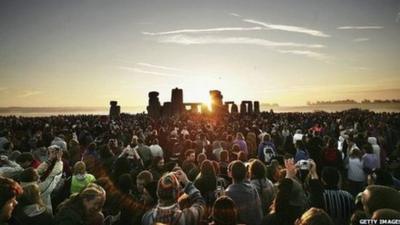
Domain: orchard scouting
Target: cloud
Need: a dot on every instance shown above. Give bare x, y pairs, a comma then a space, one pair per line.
137, 70
28, 94
235, 14
360, 27
208, 30
189, 40
288, 28
161, 67
310, 54
360, 39
3, 88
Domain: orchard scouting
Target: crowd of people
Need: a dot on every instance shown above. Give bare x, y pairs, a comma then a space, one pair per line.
260, 169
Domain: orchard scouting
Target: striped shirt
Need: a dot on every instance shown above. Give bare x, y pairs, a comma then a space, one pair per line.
339, 205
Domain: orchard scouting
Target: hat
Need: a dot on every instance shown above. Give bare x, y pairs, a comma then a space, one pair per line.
168, 187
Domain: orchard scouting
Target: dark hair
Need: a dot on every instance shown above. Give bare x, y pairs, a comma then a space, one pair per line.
368, 148
224, 211
238, 170
381, 197
8, 190
207, 169
331, 177
24, 157
257, 169
28, 175
125, 183
224, 157
188, 152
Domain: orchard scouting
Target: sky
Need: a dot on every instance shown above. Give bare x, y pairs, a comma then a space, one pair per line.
88, 52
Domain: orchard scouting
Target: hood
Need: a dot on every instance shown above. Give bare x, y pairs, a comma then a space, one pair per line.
372, 140
34, 210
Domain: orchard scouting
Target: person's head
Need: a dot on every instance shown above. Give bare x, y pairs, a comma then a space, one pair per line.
331, 143
224, 156
242, 156
224, 211
330, 177
239, 136
79, 168
125, 183
31, 195
289, 195
355, 153
25, 159
190, 155
266, 137
9, 190
237, 170
380, 177
299, 145
142, 179
29, 175
386, 214
135, 140
235, 148
376, 197
93, 198
168, 188
368, 149
314, 216
155, 141
257, 170
200, 158
207, 169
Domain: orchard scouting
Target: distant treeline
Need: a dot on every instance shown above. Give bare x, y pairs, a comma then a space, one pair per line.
350, 101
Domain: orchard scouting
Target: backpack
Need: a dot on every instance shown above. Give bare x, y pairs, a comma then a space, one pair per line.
268, 153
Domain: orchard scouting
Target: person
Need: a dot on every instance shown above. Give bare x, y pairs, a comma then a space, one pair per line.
244, 194
389, 214
82, 208
241, 143
376, 197
331, 156
264, 187
81, 178
314, 216
339, 204
47, 175
167, 211
376, 149
31, 209
301, 151
9, 191
266, 149
157, 167
290, 200
224, 212
9, 168
355, 172
144, 152
370, 160
206, 182
142, 179
155, 149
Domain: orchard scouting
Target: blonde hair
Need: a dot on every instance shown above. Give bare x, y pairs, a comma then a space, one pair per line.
31, 195
79, 167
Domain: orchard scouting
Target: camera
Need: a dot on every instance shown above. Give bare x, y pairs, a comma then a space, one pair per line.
303, 164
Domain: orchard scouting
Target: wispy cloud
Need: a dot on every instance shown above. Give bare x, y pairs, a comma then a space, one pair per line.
310, 54
149, 65
3, 88
288, 28
138, 70
360, 39
28, 94
360, 27
208, 30
189, 40
235, 14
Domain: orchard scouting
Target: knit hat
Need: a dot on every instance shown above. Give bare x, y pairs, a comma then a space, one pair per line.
168, 187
